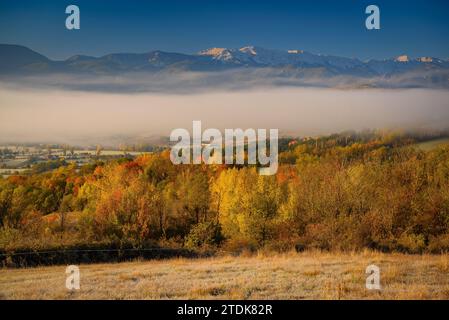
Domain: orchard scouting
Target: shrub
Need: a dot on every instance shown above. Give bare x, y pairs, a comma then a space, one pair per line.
411, 243
204, 234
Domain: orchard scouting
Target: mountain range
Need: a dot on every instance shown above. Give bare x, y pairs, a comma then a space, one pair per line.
251, 61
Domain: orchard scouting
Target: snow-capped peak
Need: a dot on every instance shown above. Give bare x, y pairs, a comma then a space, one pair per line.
402, 58
425, 59
249, 50
212, 51
223, 54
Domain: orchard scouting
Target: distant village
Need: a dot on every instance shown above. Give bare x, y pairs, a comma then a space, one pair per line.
17, 159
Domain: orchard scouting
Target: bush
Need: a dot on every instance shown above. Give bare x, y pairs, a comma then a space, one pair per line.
411, 243
439, 244
204, 234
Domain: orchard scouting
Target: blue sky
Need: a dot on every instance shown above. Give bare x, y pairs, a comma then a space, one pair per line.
417, 28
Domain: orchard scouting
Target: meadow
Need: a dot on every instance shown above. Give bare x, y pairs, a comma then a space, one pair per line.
306, 275
432, 144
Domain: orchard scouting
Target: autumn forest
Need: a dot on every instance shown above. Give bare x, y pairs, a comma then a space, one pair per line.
347, 191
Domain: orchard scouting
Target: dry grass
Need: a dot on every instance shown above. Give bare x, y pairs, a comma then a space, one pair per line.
308, 275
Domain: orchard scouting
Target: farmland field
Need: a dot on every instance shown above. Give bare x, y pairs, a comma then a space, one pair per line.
307, 275
431, 144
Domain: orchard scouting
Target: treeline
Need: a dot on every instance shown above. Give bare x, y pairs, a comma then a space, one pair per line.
333, 193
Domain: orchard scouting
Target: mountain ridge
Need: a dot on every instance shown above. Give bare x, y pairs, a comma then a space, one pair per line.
280, 64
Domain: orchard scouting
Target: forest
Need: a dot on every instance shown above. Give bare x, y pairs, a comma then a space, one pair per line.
343, 192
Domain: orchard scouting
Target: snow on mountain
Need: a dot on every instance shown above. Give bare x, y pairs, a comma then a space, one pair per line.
269, 63
249, 50
403, 58
252, 55
221, 54
425, 59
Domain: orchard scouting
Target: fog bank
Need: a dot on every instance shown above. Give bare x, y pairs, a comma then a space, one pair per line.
32, 115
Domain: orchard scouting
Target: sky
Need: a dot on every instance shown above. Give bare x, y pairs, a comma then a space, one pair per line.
416, 28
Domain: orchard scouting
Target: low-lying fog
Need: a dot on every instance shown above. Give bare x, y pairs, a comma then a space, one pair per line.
45, 115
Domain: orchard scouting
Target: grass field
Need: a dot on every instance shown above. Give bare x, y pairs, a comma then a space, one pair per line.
432, 144
308, 275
